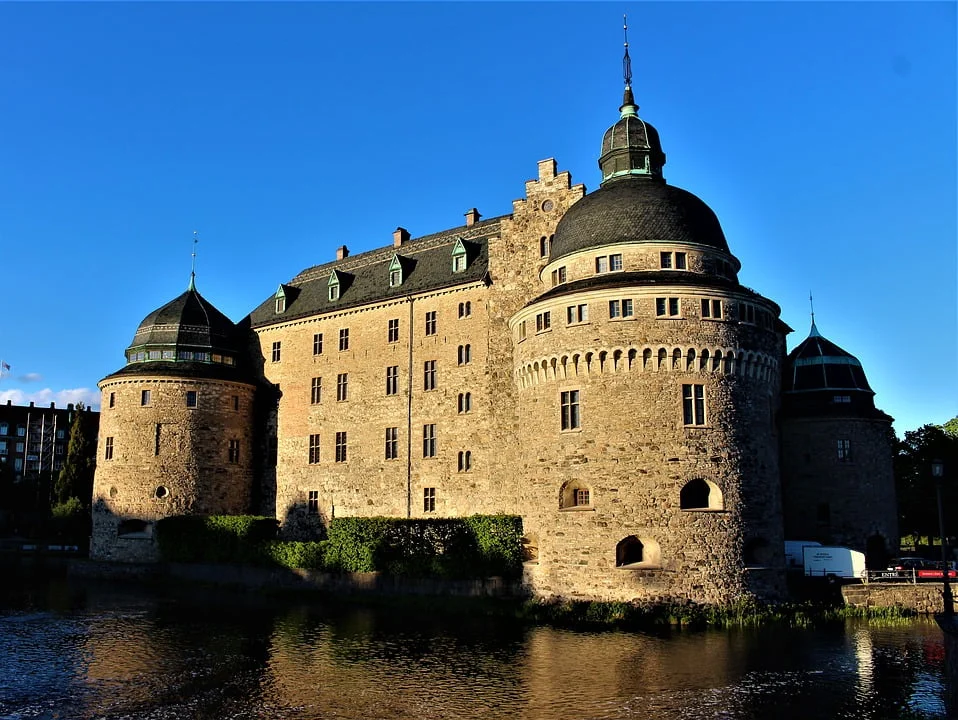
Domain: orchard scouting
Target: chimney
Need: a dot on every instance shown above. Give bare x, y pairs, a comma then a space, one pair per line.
400, 236
31, 403
53, 406
342, 252
472, 217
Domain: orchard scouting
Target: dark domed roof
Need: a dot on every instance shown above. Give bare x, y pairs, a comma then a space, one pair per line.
637, 209
190, 319
819, 364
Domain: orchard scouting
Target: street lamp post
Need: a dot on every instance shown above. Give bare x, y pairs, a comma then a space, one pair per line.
938, 472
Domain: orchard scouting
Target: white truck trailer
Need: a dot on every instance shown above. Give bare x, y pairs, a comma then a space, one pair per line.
833, 562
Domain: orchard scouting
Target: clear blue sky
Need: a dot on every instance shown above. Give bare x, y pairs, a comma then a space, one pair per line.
822, 134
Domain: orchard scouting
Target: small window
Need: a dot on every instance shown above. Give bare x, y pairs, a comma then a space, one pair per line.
543, 247
343, 339
673, 307
844, 450
233, 453
465, 403
712, 309
314, 449
317, 344
316, 391
145, 399
333, 286
280, 304
465, 354
543, 321
569, 413
429, 375
699, 494
693, 404
342, 387
465, 461
841, 399
667, 307
429, 440
615, 309
108, 449
3, 429
392, 443
191, 398
615, 262
341, 447
429, 499
665, 260
558, 276
392, 380
392, 331
431, 322
680, 262
458, 257
522, 331
627, 310
577, 314
465, 309
602, 264
236, 403
277, 351
395, 278
312, 502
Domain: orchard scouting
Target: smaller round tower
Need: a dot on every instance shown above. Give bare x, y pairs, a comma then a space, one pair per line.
175, 429
837, 478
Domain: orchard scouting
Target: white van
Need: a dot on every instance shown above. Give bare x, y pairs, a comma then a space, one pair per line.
835, 562
794, 557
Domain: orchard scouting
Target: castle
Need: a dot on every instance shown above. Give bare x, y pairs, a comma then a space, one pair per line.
589, 362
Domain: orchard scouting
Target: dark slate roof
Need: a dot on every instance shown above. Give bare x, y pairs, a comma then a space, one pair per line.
819, 364
630, 131
364, 278
189, 320
211, 371
631, 209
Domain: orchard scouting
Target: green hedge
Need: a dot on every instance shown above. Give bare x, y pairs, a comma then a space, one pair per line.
477, 546
214, 538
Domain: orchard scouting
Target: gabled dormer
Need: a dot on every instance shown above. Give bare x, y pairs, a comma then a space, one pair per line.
460, 258
280, 299
396, 273
335, 286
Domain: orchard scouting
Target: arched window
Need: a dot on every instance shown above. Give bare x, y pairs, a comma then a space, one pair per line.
647, 359
465, 403
465, 460
704, 361
465, 354
663, 358
134, 529
575, 494
690, 360
699, 494
638, 552
676, 359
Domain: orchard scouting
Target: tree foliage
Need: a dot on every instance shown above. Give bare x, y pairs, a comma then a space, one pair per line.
76, 478
916, 488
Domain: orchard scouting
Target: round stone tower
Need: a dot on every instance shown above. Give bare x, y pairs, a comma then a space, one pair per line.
175, 428
648, 379
838, 482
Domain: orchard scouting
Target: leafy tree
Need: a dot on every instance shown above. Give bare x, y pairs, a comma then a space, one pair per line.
951, 427
916, 488
76, 477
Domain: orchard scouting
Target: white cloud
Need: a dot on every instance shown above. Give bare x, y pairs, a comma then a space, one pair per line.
43, 398
30, 377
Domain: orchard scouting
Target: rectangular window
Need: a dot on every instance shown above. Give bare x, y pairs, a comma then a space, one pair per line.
458, 262
317, 344
22, 430
615, 309
840, 399
429, 375
342, 387
429, 500
395, 278
316, 391
157, 433
569, 402
581, 497
602, 264
5, 428
680, 263
627, 310
108, 449
392, 334
693, 404
392, 443
277, 351
431, 322
543, 321
314, 449
191, 398
392, 380
673, 307
558, 276
334, 292
577, 314
665, 260
615, 261
233, 452
845, 450
712, 309
312, 502
144, 399
522, 331
236, 403
341, 447
344, 339
112, 404
429, 441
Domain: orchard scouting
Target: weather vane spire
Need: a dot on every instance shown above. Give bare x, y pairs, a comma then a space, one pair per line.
811, 305
626, 60
193, 265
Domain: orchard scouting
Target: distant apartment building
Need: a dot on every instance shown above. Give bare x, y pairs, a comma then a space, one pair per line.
33, 439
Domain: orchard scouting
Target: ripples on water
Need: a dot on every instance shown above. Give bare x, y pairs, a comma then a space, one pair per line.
93, 653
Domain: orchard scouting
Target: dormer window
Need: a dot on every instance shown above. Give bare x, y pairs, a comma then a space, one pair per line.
458, 257
333, 286
280, 298
395, 272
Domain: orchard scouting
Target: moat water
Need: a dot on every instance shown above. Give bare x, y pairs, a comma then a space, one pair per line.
72, 650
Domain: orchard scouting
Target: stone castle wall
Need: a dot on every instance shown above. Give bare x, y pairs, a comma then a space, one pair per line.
163, 458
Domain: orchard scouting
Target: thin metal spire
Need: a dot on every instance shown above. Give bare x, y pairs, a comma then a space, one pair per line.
193, 266
626, 60
811, 304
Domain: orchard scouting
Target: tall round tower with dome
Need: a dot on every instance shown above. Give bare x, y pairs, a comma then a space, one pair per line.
651, 377
837, 478
175, 430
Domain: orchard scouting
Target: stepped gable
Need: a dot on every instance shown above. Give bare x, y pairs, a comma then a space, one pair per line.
427, 266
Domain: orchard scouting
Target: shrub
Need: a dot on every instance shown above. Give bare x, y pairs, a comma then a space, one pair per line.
214, 538
70, 520
292, 554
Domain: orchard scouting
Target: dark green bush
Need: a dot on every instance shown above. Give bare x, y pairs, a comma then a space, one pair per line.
305, 555
214, 538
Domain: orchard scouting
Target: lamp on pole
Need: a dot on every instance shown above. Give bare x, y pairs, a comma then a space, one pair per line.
938, 472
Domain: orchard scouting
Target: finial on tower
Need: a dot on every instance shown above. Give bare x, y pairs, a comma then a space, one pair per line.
811, 304
193, 267
628, 100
